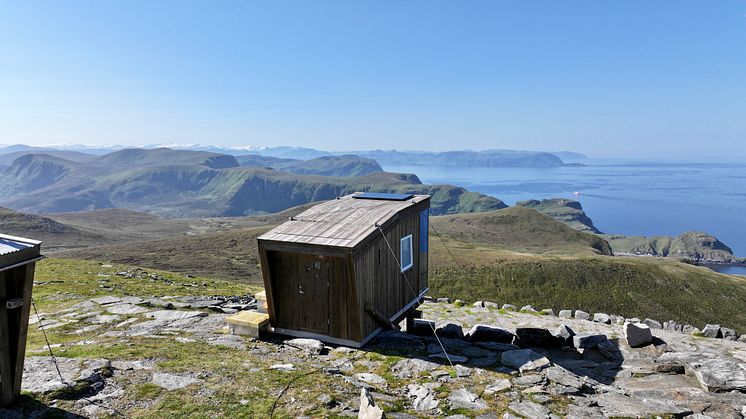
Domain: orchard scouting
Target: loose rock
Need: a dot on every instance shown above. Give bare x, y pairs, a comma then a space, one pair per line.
421, 327
582, 315
588, 341
462, 399
524, 360
368, 408
450, 330
498, 386
529, 309
602, 318
637, 334
529, 409
654, 324
535, 337
712, 331
311, 346
564, 335
484, 333
424, 398
412, 367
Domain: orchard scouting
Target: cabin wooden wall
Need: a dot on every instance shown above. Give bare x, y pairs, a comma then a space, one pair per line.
328, 305
14, 283
378, 276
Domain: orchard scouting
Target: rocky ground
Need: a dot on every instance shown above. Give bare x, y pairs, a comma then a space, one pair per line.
140, 344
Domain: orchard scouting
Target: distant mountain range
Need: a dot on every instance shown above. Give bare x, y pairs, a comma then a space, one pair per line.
466, 158
183, 183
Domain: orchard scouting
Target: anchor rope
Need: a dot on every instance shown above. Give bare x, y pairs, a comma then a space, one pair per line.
57, 367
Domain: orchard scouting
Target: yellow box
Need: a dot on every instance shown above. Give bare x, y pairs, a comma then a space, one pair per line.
248, 318
248, 323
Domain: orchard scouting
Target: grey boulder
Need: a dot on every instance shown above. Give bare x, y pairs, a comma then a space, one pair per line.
484, 333
450, 330
654, 324
637, 334
712, 331
524, 360
602, 318
582, 315
535, 337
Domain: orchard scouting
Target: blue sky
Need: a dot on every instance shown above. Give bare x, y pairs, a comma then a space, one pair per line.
645, 79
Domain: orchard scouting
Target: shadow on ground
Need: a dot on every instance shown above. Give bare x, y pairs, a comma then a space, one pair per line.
27, 406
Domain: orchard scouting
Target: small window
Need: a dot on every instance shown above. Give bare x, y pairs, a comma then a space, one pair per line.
405, 253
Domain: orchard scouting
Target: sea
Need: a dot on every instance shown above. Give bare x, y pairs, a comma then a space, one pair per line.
630, 197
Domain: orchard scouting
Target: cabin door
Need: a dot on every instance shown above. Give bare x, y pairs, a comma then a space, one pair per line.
313, 294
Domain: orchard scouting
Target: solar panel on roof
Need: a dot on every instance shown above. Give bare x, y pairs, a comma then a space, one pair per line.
383, 196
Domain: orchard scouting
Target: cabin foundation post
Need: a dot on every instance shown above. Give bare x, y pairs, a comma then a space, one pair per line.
411, 315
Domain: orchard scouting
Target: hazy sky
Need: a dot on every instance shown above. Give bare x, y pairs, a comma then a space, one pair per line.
608, 78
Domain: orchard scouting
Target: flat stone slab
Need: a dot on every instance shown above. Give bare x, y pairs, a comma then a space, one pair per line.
719, 375
412, 367
312, 346
40, 375
125, 308
172, 381
619, 405
440, 356
524, 360
498, 386
228, 341
529, 409
588, 341
106, 300
485, 333
173, 315
462, 399
371, 378
424, 397
104, 318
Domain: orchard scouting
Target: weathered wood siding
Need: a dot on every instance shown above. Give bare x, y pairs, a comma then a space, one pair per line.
337, 281
14, 283
378, 275
312, 293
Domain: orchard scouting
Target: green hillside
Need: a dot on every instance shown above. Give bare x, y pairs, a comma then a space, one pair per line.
339, 166
565, 210
658, 288
692, 245
522, 230
175, 183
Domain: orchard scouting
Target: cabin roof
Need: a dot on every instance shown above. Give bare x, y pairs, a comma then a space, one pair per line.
14, 250
342, 222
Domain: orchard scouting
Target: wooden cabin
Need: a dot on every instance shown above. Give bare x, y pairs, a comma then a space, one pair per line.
345, 268
18, 258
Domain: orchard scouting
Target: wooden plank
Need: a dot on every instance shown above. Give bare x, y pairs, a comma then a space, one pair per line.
26, 283
267, 279
7, 393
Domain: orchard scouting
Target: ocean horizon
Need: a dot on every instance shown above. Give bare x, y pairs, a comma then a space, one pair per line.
629, 197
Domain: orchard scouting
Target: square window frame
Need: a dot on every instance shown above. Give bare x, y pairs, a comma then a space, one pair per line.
410, 241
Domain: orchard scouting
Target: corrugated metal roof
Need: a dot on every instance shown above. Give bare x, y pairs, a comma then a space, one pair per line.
342, 222
9, 246
15, 250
